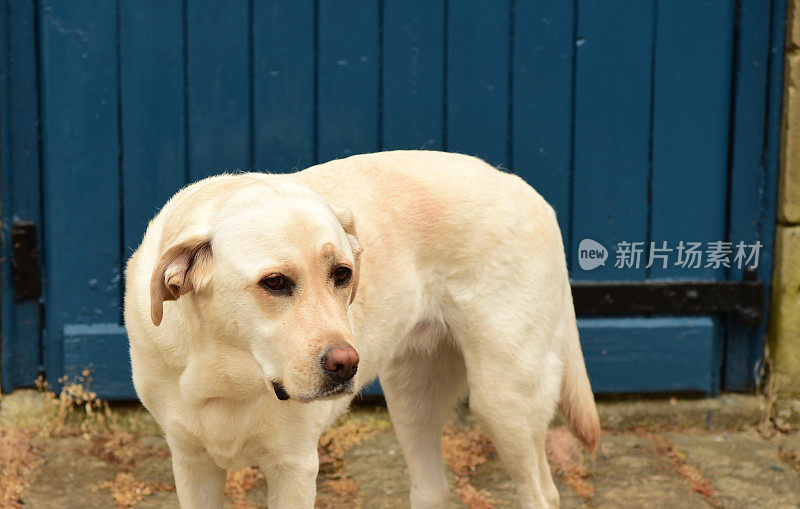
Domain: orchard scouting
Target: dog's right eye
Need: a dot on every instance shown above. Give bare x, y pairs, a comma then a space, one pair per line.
276, 283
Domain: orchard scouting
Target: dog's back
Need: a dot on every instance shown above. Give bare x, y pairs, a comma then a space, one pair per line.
459, 220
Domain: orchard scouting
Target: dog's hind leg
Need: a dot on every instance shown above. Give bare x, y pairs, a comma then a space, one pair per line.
514, 382
421, 389
549, 487
519, 434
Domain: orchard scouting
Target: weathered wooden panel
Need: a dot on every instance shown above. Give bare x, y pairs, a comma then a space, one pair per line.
612, 129
413, 74
478, 65
81, 183
101, 349
20, 173
218, 81
283, 84
691, 103
542, 98
649, 354
348, 79
153, 118
754, 167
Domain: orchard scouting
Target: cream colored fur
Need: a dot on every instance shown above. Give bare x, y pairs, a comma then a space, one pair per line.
462, 288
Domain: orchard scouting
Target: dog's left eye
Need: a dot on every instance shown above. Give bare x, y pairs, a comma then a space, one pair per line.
276, 283
341, 275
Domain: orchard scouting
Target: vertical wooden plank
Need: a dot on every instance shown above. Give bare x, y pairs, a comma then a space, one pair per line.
754, 168
612, 126
80, 167
693, 57
413, 74
152, 93
542, 117
218, 75
21, 324
283, 74
6, 301
7, 320
478, 79
348, 79
718, 353
768, 190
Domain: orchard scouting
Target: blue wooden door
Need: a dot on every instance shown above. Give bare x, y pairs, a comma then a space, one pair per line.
640, 121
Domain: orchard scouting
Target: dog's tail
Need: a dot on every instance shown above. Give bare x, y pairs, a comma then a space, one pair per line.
577, 401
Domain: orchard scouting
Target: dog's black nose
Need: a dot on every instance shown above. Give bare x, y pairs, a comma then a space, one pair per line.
340, 362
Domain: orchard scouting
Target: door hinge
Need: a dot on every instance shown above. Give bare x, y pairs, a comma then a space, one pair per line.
25, 261
743, 299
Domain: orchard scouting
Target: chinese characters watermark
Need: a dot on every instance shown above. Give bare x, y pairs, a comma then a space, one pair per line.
684, 254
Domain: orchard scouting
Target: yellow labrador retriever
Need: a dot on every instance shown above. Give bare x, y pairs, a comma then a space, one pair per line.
257, 305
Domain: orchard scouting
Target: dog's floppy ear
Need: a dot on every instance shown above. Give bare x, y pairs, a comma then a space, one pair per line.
184, 266
345, 217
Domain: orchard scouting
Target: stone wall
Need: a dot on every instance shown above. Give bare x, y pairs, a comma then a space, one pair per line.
784, 340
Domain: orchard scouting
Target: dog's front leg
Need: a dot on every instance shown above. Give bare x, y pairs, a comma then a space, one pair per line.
292, 478
199, 481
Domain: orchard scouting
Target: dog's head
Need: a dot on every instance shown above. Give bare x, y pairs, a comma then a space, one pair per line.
270, 269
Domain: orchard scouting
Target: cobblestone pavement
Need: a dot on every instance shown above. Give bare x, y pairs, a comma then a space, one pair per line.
638, 466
